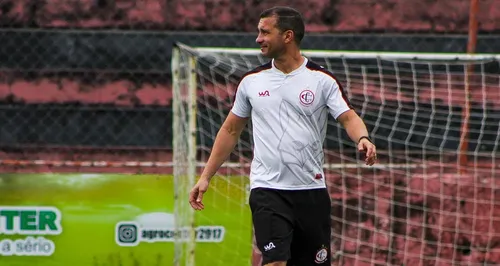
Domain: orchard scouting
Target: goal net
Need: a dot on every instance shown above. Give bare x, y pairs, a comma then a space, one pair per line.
431, 199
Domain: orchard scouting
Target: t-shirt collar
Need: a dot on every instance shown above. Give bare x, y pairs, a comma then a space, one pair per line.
294, 72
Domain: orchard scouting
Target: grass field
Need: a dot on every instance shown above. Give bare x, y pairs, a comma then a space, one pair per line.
92, 204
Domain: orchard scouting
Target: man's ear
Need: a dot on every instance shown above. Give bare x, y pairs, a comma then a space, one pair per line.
289, 36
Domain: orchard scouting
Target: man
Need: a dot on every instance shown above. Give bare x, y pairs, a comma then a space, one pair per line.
288, 100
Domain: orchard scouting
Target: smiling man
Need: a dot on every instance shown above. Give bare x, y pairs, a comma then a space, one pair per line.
288, 100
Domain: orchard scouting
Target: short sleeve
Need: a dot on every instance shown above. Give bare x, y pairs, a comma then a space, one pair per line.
241, 106
336, 99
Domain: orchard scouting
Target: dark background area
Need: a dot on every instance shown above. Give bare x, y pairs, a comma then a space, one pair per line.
96, 73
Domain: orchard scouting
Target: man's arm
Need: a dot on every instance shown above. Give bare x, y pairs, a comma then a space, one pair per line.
226, 139
356, 129
342, 111
353, 124
224, 144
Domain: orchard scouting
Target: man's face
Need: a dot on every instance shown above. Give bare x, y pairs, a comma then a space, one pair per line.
270, 39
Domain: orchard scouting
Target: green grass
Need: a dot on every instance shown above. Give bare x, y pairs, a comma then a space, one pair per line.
91, 205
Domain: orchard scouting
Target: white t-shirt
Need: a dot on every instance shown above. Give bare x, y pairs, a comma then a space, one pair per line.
289, 115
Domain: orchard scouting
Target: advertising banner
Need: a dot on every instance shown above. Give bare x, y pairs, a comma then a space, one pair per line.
113, 219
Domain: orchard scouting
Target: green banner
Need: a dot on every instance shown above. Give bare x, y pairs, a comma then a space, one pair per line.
116, 219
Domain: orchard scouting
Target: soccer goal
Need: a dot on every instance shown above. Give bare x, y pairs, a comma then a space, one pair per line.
431, 199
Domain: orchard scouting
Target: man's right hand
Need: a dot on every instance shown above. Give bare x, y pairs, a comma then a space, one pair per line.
196, 194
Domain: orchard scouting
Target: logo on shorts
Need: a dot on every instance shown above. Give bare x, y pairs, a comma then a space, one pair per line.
306, 97
269, 246
321, 255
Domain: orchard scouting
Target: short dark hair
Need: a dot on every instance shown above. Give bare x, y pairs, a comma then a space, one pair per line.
287, 18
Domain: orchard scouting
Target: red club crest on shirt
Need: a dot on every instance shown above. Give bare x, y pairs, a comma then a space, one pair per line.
306, 97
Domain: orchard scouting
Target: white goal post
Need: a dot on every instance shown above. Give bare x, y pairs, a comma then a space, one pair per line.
418, 205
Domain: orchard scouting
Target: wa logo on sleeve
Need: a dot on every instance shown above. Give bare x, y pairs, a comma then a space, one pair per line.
33, 222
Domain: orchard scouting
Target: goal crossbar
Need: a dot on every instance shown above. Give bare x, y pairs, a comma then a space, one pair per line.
362, 54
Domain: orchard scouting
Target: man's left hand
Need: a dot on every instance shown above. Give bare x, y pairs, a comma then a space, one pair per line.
370, 150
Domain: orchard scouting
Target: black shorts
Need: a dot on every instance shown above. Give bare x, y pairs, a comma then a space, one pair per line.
292, 225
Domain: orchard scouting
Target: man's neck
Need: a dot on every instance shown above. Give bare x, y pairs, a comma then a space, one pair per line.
287, 63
